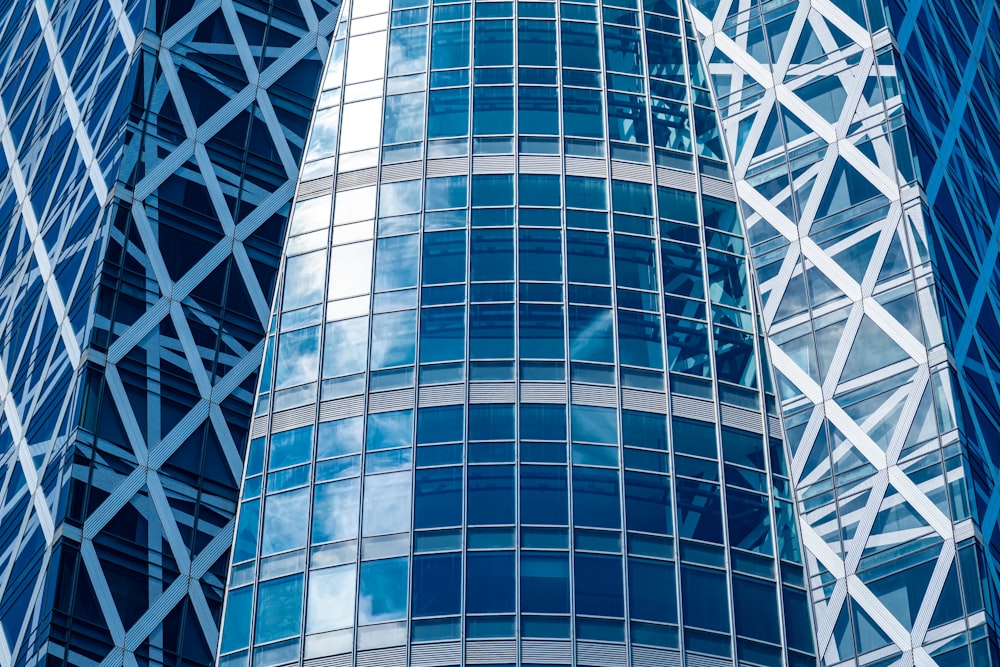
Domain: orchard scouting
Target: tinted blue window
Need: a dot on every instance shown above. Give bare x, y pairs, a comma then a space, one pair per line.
448, 115
537, 110
404, 119
489, 582
694, 437
298, 357
545, 582
383, 590
284, 528
442, 333
492, 254
598, 584
279, 609
595, 498
396, 261
438, 500
446, 192
450, 45
444, 258
491, 331
704, 598
236, 627
578, 40
594, 424
393, 338
398, 198
491, 422
290, 448
536, 43
640, 339
543, 421
491, 495
389, 429
588, 259
345, 348
591, 333
647, 503
544, 495
444, 424
541, 331
755, 607
652, 590
336, 509
407, 51
582, 112
437, 584
492, 190
644, 429
493, 110
494, 43
339, 437
540, 254
629, 197
699, 510
538, 190
585, 192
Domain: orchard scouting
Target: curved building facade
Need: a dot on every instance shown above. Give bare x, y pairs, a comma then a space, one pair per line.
514, 407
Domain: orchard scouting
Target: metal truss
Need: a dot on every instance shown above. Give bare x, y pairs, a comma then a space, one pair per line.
150, 152
815, 123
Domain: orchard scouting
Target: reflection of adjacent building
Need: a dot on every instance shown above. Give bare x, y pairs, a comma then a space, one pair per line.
513, 406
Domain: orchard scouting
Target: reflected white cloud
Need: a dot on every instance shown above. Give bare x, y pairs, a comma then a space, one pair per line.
386, 503
350, 270
331, 599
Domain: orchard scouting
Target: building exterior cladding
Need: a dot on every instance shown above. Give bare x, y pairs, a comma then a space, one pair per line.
149, 156
515, 245
507, 433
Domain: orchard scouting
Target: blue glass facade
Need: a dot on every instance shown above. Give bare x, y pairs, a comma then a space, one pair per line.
149, 155
514, 408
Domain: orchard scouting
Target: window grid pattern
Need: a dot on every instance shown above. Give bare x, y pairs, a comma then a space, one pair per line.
510, 254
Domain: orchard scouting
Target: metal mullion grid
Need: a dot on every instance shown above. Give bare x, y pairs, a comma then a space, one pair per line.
416, 349
761, 360
464, 528
371, 318
661, 300
322, 340
517, 375
623, 559
686, 28
567, 376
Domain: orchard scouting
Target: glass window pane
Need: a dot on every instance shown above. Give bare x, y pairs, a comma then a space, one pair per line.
279, 609
491, 495
544, 495
290, 448
599, 589
396, 262
442, 334
652, 590
335, 511
595, 498
298, 358
284, 528
236, 627
386, 503
437, 584
382, 596
345, 348
331, 599
304, 278
389, 429
438, 501
350, 270
545, 582
393, 338
489, 582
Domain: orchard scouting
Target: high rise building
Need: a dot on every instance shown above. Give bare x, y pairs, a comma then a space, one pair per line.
514, 408
508, 201
149, 155
516, 405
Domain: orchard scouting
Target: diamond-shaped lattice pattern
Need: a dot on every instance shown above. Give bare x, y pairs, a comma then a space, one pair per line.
149, 154
853, 271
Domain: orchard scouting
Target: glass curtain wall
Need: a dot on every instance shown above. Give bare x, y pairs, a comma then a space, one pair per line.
513, 407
